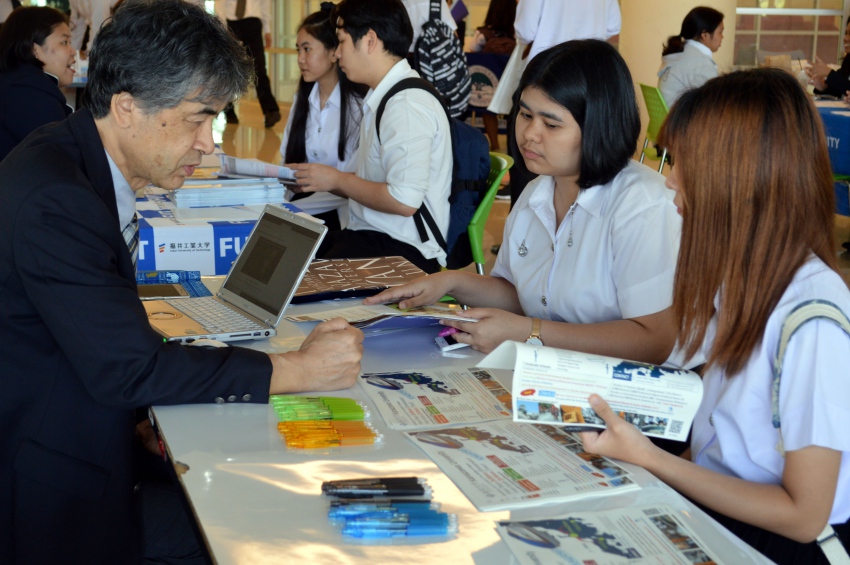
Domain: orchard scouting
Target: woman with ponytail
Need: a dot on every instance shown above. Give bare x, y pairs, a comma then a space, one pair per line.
324, 123
686, 58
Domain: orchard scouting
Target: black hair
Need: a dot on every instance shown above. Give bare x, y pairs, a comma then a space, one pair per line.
590, 79
321, 26
698, 21
161, 52
387, 18
500, 17
26, 26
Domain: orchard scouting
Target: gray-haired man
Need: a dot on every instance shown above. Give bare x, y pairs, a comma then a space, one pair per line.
77, 355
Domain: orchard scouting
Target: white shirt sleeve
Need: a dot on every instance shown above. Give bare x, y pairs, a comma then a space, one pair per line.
814, 397
527, 20
78, 25
614, 18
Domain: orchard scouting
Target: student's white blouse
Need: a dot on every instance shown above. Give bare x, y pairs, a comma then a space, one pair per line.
733, 431
625, 246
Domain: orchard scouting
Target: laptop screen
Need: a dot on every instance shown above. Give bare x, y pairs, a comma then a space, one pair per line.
273, 261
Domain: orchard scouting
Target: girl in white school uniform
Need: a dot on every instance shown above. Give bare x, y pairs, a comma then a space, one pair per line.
324, 123
756, 196
589, 250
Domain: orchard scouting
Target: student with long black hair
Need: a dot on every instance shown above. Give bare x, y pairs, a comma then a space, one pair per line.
324, 123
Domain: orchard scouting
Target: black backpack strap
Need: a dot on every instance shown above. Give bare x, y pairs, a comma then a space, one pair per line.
405, 84
421, 84
435, 14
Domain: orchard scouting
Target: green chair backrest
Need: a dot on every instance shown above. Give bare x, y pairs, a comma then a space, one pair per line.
657, 109
499, 165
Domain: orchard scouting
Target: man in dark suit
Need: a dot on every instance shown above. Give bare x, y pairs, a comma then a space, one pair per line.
77, 356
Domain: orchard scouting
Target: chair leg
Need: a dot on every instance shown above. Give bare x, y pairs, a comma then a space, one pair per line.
479, 268
643, 151
663, 160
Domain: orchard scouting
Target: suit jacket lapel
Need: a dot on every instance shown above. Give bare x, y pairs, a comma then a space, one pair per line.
95, 164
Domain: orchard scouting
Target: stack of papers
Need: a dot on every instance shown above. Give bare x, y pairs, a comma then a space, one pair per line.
227, 192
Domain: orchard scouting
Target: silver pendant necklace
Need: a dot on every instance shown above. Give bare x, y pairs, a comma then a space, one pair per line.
570, 216
523, 250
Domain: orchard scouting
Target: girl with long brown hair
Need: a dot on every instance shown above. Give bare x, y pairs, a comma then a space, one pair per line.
755, 193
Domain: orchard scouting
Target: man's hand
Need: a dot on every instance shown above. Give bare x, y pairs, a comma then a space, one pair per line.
329, 359
315, 177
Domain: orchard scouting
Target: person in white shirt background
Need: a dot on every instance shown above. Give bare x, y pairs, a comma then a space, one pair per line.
590, 248
324, 123
540, 24
410, 165
686, 58
419, 11
757, 243
6, 7
88, 14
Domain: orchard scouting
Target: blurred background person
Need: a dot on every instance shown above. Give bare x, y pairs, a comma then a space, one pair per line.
324, 122
496, 36
249, 20
88, 15
829, 81
686, 58
36, 58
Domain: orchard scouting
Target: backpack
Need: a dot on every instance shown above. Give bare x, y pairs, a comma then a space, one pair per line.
438, 57
470, 168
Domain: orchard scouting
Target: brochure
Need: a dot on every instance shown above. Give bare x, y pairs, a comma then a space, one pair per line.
328, 279
634, 535
444, 395
551, 386
502, 465
253, 168
386, 316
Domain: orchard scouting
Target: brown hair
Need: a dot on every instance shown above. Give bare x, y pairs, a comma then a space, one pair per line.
758, 199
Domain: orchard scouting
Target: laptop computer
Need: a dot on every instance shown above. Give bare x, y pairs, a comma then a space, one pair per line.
257, 289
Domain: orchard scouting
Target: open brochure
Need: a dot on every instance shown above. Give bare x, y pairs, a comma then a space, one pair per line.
502, 465
445, 395
250, 167
635, 534
551, 386
385, 316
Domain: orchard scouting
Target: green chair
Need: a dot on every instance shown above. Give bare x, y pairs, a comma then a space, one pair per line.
499, 165
657, 109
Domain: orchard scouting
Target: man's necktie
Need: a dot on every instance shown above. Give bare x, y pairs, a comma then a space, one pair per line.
131, 237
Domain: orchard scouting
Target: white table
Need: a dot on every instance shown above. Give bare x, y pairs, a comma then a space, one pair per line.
258, 503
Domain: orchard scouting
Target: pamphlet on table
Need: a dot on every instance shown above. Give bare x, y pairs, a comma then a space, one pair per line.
386, 316
635, 535
552, 386
502, 465
417, 399
254, 168
329, 279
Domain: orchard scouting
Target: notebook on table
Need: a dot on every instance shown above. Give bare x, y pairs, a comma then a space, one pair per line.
257, 290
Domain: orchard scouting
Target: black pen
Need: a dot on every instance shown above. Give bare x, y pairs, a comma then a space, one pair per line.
378, 490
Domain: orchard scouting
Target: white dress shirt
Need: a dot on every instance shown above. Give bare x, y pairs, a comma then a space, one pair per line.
550, 22
322, 137
91, 14
621, 265
125, 196
253, 9
414, 158
733, 430
680, 72
419, 12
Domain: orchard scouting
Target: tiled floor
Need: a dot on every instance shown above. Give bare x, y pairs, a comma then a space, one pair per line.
250, 139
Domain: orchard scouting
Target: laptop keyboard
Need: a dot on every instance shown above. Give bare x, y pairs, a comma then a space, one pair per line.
214, 316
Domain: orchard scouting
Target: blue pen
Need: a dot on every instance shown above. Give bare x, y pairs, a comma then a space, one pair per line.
346, 513
390, 521
403, 530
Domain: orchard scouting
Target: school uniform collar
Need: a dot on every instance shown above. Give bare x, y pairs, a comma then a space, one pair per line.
591, 200
333, 100
399, 71
699, 46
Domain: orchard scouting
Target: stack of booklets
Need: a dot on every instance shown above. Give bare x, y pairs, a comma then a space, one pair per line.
202, 193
